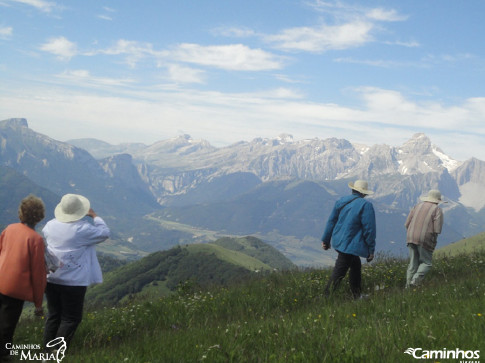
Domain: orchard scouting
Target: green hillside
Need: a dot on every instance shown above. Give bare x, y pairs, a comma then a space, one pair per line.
233, 257
256, 248
225, 261
466, 245
284, 317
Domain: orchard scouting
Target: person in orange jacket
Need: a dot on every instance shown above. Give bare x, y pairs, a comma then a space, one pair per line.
22, 268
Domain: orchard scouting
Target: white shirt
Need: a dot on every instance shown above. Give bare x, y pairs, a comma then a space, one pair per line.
74, 244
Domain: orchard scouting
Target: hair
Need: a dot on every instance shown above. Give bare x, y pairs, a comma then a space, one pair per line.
31, 210
355, 192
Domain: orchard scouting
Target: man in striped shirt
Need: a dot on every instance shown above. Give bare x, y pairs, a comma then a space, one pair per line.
423, 225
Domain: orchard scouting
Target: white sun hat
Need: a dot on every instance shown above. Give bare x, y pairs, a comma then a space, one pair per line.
71, 208
434, 196
361, 186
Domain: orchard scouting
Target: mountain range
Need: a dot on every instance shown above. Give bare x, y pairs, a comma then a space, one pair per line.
182, 191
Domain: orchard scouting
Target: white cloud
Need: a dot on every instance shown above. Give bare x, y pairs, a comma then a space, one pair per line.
6, 32
105, 17
61, 47
46, 6
385, 116
393, 108
425, 62
133, 51
83, 77
123, 46
348, 26
382, 63
231, 57
343, 10
324, 37
180, 74
234, 32
447, 58
236, 57
287, 79
380, 14
408, 44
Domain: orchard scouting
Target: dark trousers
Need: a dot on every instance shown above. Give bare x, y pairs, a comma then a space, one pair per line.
342, 265
65, 311
10, 311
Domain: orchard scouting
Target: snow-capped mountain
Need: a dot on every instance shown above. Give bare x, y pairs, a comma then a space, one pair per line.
280, 189
179, 164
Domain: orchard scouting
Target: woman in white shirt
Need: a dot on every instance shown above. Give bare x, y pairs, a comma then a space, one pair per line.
72, 240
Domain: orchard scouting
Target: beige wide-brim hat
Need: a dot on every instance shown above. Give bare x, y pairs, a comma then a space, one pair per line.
361, 186
434, 196
71, 208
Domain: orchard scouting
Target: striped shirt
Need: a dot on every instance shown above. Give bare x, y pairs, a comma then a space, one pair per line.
423, 225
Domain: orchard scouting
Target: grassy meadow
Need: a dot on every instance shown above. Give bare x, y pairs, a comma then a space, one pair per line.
465, 246
284, 317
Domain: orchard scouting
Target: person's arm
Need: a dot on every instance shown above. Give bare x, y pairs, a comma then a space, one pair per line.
438, 221
409, 218
1, 240
38, 273
369, 229
94, 233
91, 213
327, 234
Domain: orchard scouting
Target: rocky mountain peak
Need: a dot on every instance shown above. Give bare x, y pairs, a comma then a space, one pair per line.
419, 143
121, 166
416, 156
15, 122
472, 170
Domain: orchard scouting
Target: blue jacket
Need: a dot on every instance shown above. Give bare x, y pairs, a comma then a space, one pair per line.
352, 226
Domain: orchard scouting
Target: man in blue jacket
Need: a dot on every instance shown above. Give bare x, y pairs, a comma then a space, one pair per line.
352, 229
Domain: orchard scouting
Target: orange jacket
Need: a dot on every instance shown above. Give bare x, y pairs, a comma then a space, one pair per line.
22, 264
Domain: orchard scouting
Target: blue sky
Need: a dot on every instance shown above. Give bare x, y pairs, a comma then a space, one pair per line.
372, 72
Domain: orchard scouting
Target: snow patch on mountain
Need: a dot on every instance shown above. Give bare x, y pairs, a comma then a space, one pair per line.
285, 139
448, 162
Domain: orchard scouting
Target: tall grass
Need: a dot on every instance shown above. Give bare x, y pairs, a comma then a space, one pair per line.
284, 317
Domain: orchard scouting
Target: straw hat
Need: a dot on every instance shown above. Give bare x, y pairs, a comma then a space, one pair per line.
361, 186
434, 196
72, 208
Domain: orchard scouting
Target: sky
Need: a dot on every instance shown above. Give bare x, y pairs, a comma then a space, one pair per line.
371, 72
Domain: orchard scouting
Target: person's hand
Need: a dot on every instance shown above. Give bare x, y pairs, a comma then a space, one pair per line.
91, 213
325, 246
370, 257
39, 311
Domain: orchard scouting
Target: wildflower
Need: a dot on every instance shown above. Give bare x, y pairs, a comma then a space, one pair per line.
479, 314
354, 315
